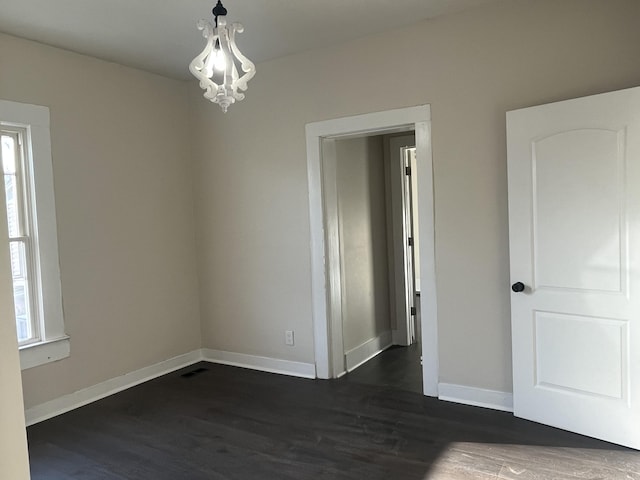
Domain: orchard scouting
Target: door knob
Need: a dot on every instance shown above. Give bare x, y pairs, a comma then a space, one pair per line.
518, 287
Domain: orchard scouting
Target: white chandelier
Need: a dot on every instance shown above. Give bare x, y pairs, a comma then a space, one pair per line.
216, 66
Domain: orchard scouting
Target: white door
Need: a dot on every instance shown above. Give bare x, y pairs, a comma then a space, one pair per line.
403, 240
574, 236
409, 242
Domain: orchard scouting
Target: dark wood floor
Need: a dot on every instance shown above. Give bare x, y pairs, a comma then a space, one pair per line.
397, 367
231, 423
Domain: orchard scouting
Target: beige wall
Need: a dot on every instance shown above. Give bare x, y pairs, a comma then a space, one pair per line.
124, 204
14, 461
360, 180
253, 225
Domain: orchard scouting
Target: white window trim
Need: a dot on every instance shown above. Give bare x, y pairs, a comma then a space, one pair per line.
54, 344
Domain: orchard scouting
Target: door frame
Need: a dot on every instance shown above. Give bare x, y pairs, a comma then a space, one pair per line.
325, 278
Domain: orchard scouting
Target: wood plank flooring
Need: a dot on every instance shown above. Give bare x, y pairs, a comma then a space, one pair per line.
397, 367
231, 423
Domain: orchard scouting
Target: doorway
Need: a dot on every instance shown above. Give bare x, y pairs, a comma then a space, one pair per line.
326, 273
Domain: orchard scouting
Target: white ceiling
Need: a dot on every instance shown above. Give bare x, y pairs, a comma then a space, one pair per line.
160, 35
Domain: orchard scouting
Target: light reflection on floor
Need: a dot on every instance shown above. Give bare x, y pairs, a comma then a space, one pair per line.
480, 461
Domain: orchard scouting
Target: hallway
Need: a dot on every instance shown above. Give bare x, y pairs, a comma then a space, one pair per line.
397, 367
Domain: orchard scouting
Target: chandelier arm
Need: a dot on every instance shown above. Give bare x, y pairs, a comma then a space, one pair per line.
247, 65
223, 36
197, 66
236, 94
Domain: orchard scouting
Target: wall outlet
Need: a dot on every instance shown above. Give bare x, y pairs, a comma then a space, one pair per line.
288, 337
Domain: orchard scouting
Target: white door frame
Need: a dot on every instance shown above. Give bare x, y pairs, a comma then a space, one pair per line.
416, 119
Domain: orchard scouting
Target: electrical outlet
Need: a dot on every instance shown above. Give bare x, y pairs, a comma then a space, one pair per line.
288, 337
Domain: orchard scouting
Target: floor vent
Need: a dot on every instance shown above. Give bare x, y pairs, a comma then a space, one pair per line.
194, 372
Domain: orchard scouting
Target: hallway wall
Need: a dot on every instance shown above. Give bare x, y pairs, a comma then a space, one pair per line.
360, 176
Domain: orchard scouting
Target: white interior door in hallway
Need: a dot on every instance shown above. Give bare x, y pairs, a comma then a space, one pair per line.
403, 233
574, 226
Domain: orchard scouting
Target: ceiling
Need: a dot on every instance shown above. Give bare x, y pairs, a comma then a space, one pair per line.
160, 35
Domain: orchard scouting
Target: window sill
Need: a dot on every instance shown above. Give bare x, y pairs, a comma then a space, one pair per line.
44, 352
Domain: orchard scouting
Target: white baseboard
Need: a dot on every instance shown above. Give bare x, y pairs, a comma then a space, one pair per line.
88, 395
365, 352
478, 397
91, 394
264, 364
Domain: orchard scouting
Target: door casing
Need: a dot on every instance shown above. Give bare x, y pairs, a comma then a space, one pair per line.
325, 277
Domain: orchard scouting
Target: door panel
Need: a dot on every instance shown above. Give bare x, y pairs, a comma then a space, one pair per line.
574, 210
597, 362
578, 210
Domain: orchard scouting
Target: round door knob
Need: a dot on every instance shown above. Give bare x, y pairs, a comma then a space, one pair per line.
518, 287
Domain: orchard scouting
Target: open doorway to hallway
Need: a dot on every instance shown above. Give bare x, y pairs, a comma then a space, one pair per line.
326, 278
371, 198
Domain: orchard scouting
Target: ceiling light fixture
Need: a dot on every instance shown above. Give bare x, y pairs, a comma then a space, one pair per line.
216, 67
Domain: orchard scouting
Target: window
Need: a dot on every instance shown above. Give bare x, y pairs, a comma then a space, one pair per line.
20, 238
25, 154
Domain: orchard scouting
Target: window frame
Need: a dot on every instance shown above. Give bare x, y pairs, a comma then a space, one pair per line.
54, 343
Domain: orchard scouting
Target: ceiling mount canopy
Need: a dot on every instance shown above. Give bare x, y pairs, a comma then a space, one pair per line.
217, 65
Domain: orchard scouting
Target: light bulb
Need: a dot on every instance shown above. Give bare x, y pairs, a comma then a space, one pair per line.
216, 61
219, 62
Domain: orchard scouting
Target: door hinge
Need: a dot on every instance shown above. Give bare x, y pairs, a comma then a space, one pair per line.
413, 310
410, 241
407, 171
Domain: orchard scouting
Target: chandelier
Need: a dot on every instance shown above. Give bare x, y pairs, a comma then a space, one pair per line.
217, 66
